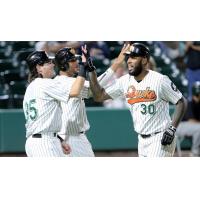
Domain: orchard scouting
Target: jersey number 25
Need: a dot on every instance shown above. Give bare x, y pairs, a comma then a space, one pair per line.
31, 111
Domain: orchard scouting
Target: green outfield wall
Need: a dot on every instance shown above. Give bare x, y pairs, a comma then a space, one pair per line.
111, 129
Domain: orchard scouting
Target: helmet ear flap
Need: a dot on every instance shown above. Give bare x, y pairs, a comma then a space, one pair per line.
63, 57
65, 66
62, 64
144, 60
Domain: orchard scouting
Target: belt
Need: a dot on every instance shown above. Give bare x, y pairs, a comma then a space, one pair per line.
38, 135
148, 135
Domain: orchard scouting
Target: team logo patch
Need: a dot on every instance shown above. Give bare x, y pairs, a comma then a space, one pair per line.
173, 86
136, 96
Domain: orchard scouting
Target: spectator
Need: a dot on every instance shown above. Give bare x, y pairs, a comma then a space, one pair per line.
174, 49
98, 50
190, 126
192, 64
51, 47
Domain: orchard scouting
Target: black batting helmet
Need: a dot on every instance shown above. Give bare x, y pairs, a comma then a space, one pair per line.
37, 58
196, 88
138, 50
63, 56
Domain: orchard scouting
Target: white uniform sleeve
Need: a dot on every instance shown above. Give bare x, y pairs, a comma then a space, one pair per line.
85, 91
105, 78
67, 83
169, 91
115, 90
56, 90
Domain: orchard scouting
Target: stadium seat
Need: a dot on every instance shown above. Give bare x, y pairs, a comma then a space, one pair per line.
179, 141
114, 43
17, 89
2, 54
22, 55
101, 65
12, 75
5, 64
17, 46
115, 48
4, 97
91, 103
114, 52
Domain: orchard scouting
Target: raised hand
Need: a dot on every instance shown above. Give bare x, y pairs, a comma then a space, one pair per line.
85, 53
121, 57
86, 56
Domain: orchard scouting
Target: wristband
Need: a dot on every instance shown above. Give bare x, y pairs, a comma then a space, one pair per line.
82, 71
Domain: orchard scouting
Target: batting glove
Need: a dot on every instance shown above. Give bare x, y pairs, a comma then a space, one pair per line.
89, 64
168, 136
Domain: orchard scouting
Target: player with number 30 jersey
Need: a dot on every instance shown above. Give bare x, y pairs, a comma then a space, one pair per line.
148, 94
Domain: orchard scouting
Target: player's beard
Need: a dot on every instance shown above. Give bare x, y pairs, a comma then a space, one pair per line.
137, 70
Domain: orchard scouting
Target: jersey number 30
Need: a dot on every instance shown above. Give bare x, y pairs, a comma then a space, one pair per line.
148, 109
31, 111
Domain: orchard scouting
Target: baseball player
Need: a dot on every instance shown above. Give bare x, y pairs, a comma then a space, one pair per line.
148, 94
42, 108
74, 119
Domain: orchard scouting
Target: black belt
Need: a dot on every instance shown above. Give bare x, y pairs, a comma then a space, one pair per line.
149, 135
38, 135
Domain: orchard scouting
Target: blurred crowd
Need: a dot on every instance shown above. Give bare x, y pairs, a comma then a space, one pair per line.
179, 60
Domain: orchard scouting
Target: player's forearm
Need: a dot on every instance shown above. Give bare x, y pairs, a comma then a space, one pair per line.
77, 86
117, 63
97, 90
181, 107
79, 82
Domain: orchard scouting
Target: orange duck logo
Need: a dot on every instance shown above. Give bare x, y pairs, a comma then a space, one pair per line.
137, 96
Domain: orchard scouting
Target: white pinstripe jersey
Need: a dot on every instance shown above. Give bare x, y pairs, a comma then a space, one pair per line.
74, 118
41, 106
148, 100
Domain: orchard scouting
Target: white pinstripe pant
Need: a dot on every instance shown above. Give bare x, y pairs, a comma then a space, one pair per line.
47, 146
152, 147
80, 146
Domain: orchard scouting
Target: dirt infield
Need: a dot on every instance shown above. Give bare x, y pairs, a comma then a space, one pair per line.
185, 153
